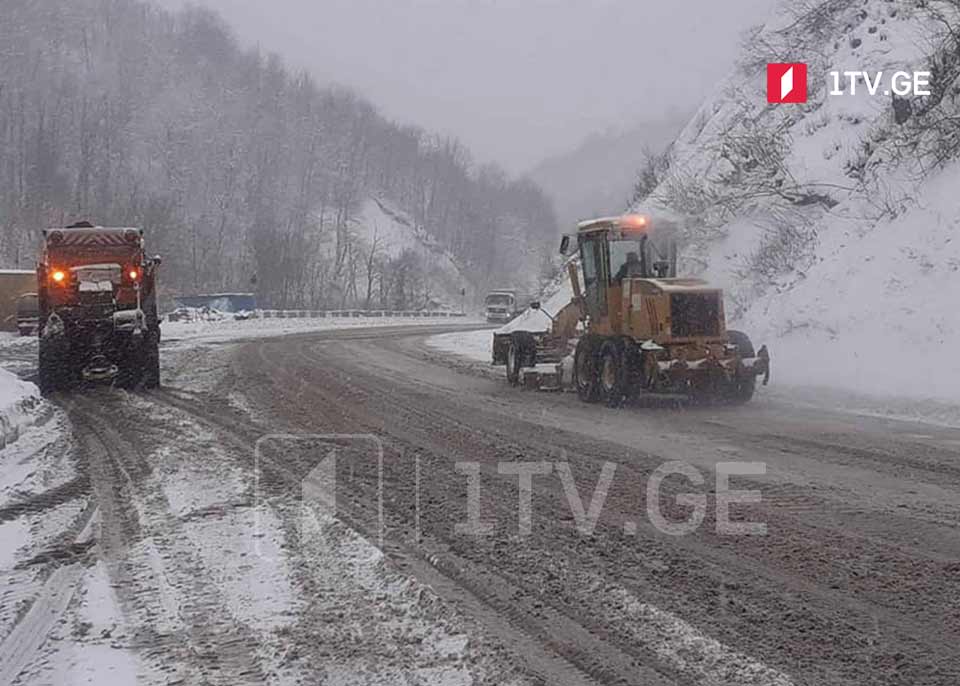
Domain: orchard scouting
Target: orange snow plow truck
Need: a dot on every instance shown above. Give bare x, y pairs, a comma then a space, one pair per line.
97, 298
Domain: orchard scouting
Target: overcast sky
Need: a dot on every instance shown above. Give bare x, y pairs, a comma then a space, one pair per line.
517, 80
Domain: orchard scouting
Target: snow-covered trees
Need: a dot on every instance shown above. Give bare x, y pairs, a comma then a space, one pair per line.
245, 175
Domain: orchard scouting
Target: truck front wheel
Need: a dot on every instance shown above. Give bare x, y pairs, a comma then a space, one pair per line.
151, 365
51, 374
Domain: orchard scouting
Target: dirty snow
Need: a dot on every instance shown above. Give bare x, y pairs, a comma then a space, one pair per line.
97, 654
702, 659
32, 462
398, 628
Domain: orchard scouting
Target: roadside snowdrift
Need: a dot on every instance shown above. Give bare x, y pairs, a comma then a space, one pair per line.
189, 334
877, 312
19, 401
555, 297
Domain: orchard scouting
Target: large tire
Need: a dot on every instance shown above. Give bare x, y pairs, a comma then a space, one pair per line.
522, 352
614, 373
50, 372
128, 378
585, 372
132, 366
151, 364
742, 389
514, 361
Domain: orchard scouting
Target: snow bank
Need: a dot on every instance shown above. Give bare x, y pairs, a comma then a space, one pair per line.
555, 297
877, 312
229, 330
478, 345
19, 402
472, 345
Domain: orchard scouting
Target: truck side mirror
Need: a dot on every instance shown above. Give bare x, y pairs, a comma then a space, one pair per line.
157, 260
564, 245
535, 305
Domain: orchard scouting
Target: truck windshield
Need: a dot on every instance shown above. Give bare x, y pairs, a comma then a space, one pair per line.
499, 300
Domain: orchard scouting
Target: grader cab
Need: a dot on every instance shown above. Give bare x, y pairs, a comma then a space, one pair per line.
635, 327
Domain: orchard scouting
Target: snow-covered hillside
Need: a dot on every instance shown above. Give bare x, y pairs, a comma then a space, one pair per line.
834, 225
389, 233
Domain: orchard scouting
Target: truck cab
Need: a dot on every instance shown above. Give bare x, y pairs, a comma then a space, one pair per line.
501, 306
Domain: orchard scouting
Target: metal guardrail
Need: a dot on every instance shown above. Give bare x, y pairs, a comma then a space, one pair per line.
355, 314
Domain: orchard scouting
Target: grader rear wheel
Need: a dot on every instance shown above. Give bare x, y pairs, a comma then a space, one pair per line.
513, 363
522, 352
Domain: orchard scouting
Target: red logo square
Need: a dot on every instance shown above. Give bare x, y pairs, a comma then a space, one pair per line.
787, 82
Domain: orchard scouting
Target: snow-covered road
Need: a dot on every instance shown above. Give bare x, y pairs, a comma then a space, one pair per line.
128, 528
172, 537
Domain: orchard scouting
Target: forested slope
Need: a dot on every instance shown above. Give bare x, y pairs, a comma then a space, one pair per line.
244, 174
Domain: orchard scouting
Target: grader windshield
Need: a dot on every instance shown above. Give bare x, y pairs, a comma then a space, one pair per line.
645, 258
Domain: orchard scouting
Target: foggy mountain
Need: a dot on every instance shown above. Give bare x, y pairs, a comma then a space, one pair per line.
244, 174
597, 178
833, 224
516, 81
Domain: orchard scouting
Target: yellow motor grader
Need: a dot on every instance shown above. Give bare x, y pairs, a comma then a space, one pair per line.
633, 327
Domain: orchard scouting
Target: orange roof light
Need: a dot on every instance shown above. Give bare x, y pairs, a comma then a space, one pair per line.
59, 276
634, 222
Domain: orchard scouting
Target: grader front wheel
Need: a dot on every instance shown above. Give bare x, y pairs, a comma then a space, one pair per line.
585, 370
741, 389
